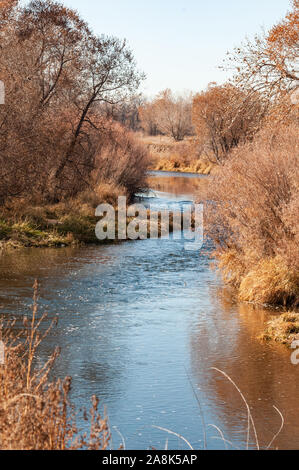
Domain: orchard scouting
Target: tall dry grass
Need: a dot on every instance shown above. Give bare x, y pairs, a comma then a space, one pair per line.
185, 156
253, 217
35, 412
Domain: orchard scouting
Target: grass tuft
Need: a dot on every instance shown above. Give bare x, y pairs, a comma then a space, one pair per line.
35, 412
282, 329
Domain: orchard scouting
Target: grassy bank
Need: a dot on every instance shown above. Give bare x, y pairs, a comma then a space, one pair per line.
65, 224
168, 155
24, 223
253, 219
282, 329
57, 225
65, 231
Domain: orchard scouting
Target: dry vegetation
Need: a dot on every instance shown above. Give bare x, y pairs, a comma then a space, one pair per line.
167, 114
225, 117
253, 198
36, 413
283, 329
254, 221
169, 155
169, 134
56, 143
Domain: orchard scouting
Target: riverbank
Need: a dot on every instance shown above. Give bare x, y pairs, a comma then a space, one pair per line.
65, 224
282, 329
68, 231
168, 155
253, 220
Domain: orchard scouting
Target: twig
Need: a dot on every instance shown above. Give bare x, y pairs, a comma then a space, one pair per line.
220, 432
175, 434
280, 429
250, 419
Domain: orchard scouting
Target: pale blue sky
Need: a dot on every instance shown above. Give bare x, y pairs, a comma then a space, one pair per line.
179, 44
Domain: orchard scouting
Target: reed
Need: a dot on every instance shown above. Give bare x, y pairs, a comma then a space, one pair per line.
36, 412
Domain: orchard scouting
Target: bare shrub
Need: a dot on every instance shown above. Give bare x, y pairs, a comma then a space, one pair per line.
121, 160
225, 117
253, 217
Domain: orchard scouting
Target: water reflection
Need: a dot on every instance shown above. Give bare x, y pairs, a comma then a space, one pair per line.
263, 372
136, 318
175, 184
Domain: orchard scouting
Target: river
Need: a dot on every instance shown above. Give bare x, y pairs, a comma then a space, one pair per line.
142, 324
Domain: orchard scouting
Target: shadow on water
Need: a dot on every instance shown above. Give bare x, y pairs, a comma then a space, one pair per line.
135, 316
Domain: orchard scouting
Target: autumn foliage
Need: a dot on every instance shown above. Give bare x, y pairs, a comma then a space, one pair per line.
57, 76
269, 64
167, 114
253, 197
225, 117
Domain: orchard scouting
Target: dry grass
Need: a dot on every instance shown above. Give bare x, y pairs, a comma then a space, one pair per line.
250, 430
271, 281
29, 222
35, 413
252, 216
168, 155
71, 222
282, 329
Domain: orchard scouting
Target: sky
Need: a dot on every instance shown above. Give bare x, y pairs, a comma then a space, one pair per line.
180, 44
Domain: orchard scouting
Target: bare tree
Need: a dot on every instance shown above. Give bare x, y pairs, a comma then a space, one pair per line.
225, 116
269, 64
56, 73
168, 114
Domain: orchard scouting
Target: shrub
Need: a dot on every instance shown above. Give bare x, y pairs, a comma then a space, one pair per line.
121, 161
282, 329
252, 217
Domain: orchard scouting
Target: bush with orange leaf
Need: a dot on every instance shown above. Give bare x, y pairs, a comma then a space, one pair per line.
253, 217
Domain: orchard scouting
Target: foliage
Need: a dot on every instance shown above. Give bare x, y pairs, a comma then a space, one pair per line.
253, 219
269, 64
167, 114
224, 117
57, 74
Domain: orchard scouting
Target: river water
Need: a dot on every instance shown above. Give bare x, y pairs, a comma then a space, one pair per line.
142, 324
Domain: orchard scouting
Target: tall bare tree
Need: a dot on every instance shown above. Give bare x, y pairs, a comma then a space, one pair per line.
56, 74
168, 114
226, 116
